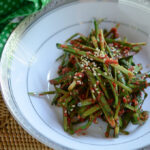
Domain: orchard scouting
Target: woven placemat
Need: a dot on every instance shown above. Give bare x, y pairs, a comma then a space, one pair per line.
12, 136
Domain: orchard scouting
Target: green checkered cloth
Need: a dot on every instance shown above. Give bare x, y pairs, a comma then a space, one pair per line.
11, 9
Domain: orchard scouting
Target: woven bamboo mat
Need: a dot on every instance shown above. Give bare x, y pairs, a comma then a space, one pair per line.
12, 136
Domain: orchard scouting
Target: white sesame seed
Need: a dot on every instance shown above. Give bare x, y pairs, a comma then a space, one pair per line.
94, 74
81, 65
92, 91
105, 73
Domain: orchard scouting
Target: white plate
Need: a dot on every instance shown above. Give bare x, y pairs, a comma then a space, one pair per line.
28, 62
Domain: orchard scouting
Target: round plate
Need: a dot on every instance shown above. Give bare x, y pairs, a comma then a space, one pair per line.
28, 62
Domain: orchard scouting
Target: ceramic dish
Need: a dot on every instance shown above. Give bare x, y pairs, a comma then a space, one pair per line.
28, 62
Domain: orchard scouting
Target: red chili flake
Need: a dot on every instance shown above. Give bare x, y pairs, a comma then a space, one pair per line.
123, 90
113, 30
93, 101
79, 117
140, 93
146, 84
72, 56
88, 53
97, 105
92, 89
115, 44
82, 119
65, 70
60, 67
128, 110
100, 37
126, 51
89, 107
128, 48
121, 112
97, 82
83, 96
95, 40
110, 101
131, 68
75, 44
124, 100
99, 96
64, 46
124, 48
95, 121
73, 61
83, 133
78, 131
135, 102
137, 83
69, 120
76, 50
79, 40
119, 46
65, 114
138, 118
142, 78
114, 84
111, 61
79, 74
99, 116
76, 40
101, 57
106, 134
52, 81
72, 42
130, 74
